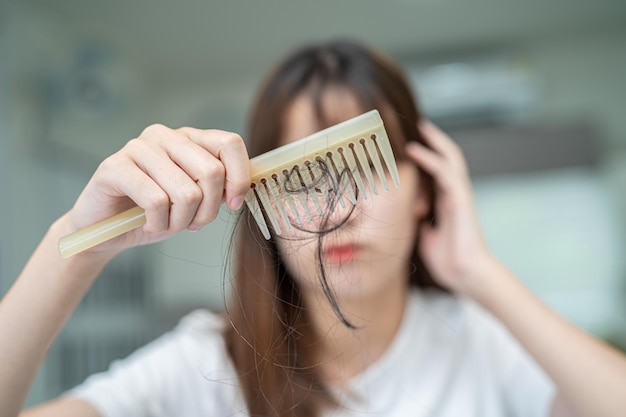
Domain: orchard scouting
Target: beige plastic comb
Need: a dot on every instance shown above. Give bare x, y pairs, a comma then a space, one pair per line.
303, 177
298, 179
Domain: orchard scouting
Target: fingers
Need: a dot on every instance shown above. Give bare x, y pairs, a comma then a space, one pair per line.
122, 177
180, 177
441, 143
444, 161
189, 201
444, 175
428, 160
231, 150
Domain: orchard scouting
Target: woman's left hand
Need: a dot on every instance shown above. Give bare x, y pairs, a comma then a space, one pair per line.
452, 248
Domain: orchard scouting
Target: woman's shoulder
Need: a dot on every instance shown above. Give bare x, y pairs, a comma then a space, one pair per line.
184, 369
202, 323
199, 333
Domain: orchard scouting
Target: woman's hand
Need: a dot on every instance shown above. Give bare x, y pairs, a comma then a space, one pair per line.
452, 247
454, 251
178, 176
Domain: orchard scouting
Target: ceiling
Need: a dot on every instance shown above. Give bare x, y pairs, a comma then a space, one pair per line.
231, 39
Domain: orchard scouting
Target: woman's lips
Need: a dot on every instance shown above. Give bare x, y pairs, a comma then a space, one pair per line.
341, 253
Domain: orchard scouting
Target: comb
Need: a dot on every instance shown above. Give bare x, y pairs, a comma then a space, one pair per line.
300, 179
303, 178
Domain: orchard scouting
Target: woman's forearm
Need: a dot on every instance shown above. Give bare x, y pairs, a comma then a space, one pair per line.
590, 375
33, 312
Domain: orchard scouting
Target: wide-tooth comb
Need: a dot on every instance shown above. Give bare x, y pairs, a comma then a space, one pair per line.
336, 162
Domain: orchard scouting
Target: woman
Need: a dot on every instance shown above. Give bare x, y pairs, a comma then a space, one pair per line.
343, 316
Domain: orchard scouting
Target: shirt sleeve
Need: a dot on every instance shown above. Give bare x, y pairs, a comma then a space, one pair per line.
147, 383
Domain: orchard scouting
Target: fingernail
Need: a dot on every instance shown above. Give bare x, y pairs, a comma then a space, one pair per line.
236, 203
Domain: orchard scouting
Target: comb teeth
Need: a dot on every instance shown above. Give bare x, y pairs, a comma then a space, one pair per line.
302, 180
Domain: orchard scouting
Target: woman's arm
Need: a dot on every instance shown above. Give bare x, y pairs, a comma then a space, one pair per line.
35, 309
66, 407
179, 177
590, 376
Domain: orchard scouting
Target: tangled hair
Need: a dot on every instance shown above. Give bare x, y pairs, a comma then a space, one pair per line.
271, 341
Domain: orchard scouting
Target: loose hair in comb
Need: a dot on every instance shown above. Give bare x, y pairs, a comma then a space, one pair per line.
337, 159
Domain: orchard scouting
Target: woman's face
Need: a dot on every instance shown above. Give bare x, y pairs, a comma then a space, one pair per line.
370, 252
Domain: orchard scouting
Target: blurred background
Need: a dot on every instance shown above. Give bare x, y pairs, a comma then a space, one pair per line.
533, 91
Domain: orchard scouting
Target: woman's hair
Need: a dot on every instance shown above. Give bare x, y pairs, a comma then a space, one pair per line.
271, 342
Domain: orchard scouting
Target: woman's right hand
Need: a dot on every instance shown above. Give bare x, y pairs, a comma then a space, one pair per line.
178, 176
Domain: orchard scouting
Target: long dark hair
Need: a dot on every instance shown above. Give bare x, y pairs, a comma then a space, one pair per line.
270, 341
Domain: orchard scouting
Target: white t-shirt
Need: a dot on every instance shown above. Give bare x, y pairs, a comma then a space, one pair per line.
450, 358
